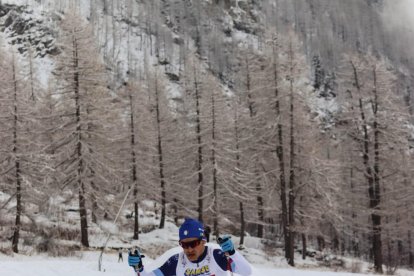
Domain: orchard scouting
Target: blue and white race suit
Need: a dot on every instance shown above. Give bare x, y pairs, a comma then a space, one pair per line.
212, 262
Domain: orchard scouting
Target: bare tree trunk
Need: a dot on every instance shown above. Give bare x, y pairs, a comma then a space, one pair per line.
83, 213
92, 174
213, 160
259, 198
93, 199
280, 155
292, 180
199, 150
354, 239
371, 179
31, 75
410, 250
375, 195
80, 170
175, 208
17, 224
242, 223
94, 208
241, 206
160, 158
304, 246
133, 165
321, 243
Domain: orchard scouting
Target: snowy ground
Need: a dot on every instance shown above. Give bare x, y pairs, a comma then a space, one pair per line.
156, 243
87, 265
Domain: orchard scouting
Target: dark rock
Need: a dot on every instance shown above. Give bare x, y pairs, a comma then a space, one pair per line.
21, 50
8, 21
4, 9
19, 27
243, 26
164, 61
172, 76
48, 42
26, 31
227, 32
178, 40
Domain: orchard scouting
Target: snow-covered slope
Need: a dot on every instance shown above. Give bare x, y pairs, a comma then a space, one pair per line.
87, 266
158, 246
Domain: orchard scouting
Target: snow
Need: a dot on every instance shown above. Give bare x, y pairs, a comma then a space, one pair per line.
158, 245
87, 264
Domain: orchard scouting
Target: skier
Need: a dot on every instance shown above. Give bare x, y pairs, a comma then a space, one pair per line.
207, 231
197, 259
120, 258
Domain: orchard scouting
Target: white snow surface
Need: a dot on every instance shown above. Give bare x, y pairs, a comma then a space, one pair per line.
87, 264
158, 245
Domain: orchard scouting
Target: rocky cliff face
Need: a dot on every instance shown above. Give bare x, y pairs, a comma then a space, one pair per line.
328, 28
23, 29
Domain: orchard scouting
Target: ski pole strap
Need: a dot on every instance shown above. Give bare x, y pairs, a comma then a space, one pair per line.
138, 269
229, 263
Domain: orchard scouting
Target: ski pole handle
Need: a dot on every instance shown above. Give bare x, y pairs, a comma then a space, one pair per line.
222, 240
135, 260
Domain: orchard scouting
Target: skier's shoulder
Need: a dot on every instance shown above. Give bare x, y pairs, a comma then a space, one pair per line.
173, 260
220, 258
170, 266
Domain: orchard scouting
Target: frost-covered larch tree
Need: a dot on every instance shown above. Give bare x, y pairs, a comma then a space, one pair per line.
377, 129
21, 167
85, 106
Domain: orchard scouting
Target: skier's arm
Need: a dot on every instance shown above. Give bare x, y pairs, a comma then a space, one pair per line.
167, 269
236, 262
240, 265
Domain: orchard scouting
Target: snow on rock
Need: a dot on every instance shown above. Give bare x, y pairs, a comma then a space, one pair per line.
24, 27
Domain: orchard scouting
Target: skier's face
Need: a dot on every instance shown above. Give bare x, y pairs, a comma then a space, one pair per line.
193, 248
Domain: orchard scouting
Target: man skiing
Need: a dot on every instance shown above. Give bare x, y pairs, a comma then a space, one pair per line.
197, 259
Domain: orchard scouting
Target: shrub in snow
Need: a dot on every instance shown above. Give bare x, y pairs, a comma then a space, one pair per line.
45, 244
6, 249
356, 267
50, 246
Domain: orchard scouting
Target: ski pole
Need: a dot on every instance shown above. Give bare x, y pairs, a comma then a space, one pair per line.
221, 240
229, 263
109, 235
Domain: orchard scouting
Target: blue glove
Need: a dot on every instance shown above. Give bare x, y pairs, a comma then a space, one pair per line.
226, 244
135, 260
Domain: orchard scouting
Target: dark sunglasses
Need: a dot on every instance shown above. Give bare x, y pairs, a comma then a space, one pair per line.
191, 244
